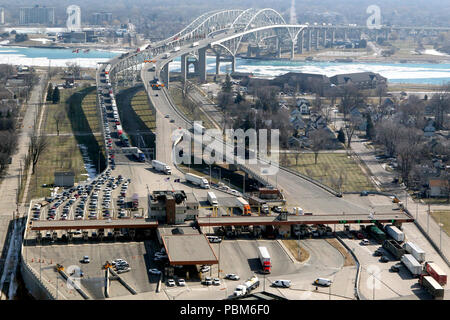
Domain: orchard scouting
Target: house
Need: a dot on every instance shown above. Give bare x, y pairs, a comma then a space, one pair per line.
429, 130
298, 124
304, 109
363, 80
438, 187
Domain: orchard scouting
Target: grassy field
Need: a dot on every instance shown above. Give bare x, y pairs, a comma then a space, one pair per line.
177, 97
78, 114
443, 217
293, 247
138, 116
329, 167
141, 107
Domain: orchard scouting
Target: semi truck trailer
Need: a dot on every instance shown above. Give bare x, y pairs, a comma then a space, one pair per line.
415, 250
247, 287
161, 167
432, 286
197, 180
264, 257
136, 152
243, 205
395, 233
212, 199
412, 264
395, 248
434, 271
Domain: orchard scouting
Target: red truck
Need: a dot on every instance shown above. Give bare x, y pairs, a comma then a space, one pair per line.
433, 270
135, 201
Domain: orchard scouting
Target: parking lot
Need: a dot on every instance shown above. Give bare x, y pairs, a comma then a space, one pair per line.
139, 256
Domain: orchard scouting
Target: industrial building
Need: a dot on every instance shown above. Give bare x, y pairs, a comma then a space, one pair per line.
100, 18
172, 207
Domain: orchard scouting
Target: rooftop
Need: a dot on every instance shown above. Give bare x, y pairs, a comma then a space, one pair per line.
189, 249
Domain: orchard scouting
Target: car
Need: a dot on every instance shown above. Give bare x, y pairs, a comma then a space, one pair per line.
384, 259
378, 253
181, 282
216, 281
124, 270
85, 259
154, 271
171, 283
277, 209
172, 121
365, 242
167, 116
205, 269
282, 283
395, 268
232, 276
214, 239
207, 281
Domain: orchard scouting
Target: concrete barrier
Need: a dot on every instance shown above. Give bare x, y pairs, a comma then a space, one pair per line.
358, 270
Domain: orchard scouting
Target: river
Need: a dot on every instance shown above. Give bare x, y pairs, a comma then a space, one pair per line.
419, 73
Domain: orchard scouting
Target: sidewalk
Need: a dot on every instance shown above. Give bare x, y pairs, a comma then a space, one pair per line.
9, 183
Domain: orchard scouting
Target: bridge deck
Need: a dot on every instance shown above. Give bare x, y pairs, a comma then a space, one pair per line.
303, 219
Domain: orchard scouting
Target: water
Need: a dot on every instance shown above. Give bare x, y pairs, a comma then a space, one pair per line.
419, 73
54, 57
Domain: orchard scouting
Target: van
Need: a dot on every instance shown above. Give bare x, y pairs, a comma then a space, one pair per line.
282, 283
323, 282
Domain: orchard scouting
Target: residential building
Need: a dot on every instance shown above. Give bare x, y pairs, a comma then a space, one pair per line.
438, 187
363, 80
101, 18
36, 15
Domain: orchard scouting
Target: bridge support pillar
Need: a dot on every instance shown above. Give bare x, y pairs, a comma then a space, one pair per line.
317, 38
184, 67
324, 38
217, 64
333, 36
202, 64
345, 34
293, 50
300, 42
233, 64
309, 40
165, 75
278, 44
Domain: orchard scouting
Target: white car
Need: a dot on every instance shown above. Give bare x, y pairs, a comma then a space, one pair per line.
216, 281
204, 269
232, 276
171, 283
282, 283
365, 242
181, 282
154, 271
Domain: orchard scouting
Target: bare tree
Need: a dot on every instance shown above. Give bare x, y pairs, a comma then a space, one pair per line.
381, 90
59, 118
38, 144
351, 126
187, 87
407, 149
318, 140
74, 69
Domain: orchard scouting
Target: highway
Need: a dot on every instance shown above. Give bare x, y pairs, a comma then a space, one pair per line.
297, 191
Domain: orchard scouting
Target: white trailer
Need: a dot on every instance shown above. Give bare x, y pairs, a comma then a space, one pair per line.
161, 166
395, 233
194, 44
176, 49
264, 257
249, 285
415, 250
412, 264
197, 180
212, 199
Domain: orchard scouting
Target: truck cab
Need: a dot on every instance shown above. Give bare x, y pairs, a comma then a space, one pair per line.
240, 290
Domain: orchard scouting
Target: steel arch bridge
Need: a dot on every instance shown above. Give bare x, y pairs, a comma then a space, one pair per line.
226, 29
